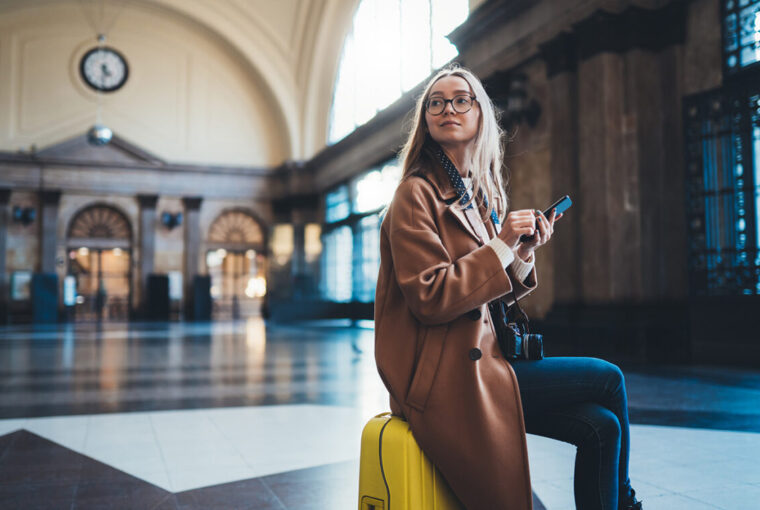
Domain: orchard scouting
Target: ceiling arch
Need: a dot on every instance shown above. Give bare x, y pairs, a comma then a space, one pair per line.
290, 47
293, 45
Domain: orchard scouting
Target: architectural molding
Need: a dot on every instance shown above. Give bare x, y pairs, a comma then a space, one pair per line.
119, 154
633, 28
615, 32
285, 206
50, 197
192, 203
117, 150
560, 54
147, 201
484, 19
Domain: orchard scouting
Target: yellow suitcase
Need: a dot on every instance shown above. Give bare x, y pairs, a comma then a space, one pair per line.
394, 474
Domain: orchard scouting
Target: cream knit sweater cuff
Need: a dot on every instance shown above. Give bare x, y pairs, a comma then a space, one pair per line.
520, 268
506, 256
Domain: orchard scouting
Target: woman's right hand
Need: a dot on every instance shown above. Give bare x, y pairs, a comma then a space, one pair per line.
516, 224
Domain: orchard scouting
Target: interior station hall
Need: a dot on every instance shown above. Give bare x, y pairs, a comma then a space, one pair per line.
191, 195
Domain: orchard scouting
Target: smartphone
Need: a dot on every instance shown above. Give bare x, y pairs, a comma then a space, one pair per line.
562, 205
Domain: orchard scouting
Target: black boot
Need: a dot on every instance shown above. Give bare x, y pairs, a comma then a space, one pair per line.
630, 502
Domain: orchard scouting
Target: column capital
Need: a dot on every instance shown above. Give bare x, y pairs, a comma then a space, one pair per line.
147, 201
560, 54
635, 27
192, 203
50, 197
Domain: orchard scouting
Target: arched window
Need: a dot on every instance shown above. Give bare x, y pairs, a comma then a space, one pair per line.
393, 45
100, 226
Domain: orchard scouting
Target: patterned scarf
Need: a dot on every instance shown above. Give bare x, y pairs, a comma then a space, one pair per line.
458, 184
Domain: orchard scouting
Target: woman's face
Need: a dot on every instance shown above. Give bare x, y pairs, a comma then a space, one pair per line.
451, 127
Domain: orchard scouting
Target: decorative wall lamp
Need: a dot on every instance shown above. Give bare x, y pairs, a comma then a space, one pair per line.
24, 215
99, 135
171, 220
519, 108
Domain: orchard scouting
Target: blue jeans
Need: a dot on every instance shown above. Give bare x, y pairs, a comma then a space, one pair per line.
581, 401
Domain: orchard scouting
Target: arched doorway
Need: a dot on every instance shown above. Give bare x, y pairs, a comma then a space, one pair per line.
99, 245
236, 262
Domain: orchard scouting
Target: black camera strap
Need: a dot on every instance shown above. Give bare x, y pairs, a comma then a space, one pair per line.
518, 315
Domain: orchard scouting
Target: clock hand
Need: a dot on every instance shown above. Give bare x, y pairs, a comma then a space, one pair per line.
105, 70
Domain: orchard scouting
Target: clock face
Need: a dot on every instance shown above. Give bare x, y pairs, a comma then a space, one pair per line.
104, 69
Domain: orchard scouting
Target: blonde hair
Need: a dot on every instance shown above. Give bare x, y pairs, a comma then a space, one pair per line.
419, 151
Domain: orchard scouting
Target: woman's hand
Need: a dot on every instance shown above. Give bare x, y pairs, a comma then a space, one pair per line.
545, 231
516, 224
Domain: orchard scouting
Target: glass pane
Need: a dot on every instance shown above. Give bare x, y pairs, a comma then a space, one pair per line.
338, 254
312, 242
344, 102
415, 40
446, 16
369, 226
393, 46
741, 34
723, 162
374, 190
282, 243
337, 205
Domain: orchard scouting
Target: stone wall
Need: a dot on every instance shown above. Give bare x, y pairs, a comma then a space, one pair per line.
609, 77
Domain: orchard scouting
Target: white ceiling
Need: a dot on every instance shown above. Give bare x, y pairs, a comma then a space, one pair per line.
292, 45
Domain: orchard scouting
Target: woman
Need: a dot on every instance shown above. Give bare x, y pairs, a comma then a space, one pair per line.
448, 248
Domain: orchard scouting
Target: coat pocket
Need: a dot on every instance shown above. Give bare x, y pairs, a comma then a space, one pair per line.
427, 366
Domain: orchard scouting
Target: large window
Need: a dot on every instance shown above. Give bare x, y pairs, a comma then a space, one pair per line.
393, 45
351, 239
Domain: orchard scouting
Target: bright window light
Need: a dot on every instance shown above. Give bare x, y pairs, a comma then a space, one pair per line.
374, 190
393, 45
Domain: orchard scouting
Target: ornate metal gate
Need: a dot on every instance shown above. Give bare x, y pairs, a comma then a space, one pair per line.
723, 188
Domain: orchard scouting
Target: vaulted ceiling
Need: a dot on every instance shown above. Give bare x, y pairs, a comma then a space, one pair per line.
291, 46
294, 45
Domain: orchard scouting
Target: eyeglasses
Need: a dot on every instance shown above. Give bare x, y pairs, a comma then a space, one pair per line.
460, 104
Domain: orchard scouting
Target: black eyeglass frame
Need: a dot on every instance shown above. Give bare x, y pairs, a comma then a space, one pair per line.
427, 103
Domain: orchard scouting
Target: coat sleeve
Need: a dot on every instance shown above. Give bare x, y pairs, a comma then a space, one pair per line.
522, 288
436, 288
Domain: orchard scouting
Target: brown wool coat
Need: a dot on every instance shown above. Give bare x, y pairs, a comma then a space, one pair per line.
436, 348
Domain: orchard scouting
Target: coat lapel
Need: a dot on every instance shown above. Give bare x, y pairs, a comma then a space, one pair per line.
456, 210
447, 194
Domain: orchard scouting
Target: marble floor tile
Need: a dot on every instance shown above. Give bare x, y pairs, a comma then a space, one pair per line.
255, 415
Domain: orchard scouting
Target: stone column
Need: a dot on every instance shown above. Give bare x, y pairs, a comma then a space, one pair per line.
49, 201
298, 270
562, 98
609, 187
5, 218
192, 248
147, 241
654, 103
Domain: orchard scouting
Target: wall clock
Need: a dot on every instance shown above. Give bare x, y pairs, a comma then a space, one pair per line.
104, 69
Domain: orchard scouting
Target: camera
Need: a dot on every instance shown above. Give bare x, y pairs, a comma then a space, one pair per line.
512, 333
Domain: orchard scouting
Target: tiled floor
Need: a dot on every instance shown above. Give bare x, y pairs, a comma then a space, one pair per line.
244, 415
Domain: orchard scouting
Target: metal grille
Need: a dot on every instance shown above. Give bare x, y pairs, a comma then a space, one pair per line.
741, 35
723, 197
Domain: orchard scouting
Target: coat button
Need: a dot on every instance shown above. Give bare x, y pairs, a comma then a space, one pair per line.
475, 354
474, 314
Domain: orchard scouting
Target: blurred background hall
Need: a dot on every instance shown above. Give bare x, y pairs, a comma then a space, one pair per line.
190, 200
